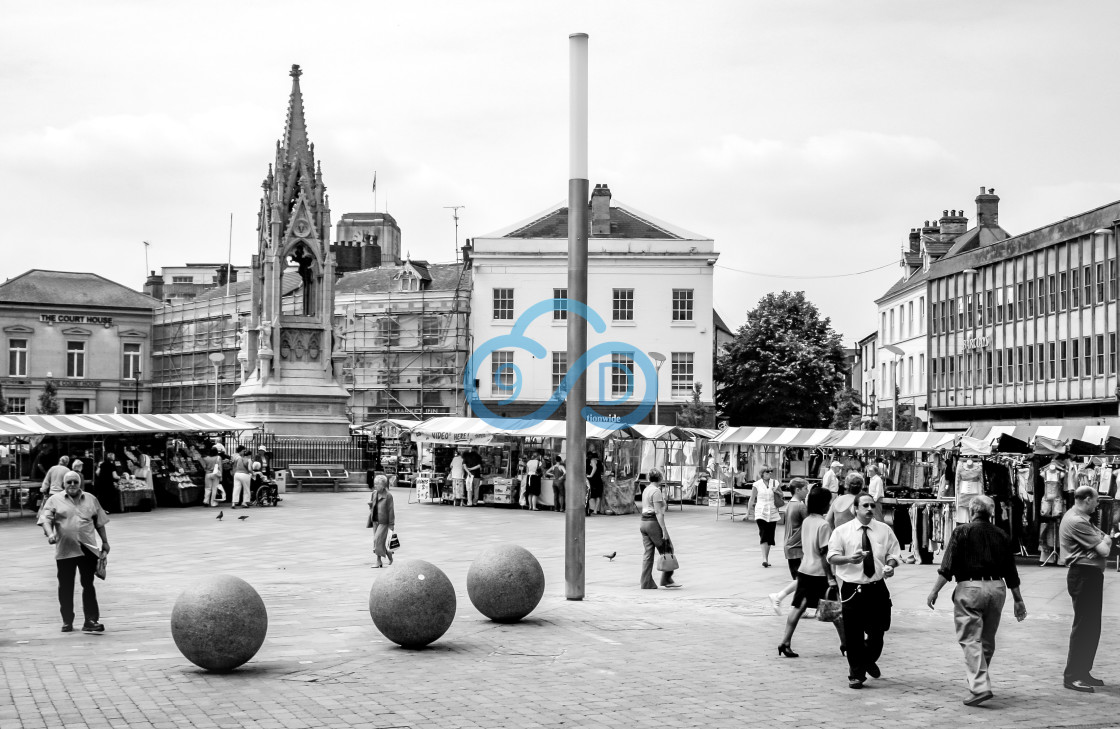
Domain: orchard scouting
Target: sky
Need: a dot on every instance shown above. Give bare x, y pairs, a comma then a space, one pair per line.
806, 137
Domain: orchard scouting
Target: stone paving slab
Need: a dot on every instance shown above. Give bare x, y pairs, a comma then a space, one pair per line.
704, 656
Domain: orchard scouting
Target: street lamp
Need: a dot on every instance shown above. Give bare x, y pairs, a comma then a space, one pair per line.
658, 360
217, 358
897, 352
137, 389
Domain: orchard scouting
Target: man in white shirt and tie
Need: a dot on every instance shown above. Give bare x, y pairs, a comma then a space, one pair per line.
864, 552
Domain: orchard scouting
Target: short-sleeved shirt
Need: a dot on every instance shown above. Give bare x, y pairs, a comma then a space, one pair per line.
815, 533
795, 515
473, 462
849, 537
650, 496
831, 482
76, 522
1078, 539
52, 482
457, 468
875, 488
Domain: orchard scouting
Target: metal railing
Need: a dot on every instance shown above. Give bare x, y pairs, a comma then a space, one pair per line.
351, 451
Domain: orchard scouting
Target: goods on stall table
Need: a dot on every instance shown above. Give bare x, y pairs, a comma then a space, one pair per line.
184, 491
135, 494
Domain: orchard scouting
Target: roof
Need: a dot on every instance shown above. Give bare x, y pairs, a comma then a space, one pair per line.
289, 283
905, 284
626, 222
719, 323
67, 288
443, 276
978, 238
885, 440
98, 424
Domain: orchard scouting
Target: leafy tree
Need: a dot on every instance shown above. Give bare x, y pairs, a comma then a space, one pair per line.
846, 414
694, 414
48, 399
3, 402
906, 420
783, 368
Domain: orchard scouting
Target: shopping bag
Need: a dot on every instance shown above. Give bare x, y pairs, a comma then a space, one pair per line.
394, 541
102, 566
666, 562
829, 611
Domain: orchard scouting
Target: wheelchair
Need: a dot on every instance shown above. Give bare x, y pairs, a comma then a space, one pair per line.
265, 492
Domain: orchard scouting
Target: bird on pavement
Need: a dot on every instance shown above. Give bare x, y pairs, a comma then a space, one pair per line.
611, 556
219, 516
243, 518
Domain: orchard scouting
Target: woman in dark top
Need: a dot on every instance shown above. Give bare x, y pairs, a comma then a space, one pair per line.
594, 485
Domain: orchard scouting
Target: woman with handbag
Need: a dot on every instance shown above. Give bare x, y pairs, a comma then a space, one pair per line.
814, 577
766, 499
384, 518
212, 464
656, 536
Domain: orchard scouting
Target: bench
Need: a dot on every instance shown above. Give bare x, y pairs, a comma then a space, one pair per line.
317, 474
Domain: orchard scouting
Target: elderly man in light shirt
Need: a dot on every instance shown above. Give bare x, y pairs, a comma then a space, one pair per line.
864, 552
831, 479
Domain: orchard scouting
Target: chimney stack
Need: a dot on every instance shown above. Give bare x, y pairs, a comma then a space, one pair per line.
154, 286
601, 210
915, 241
952, 224
987, 208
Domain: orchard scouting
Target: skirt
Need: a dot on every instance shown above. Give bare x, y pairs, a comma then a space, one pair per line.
381, 539
766, 531
533, 487
810, 588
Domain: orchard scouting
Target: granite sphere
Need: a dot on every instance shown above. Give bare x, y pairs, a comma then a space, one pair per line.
412, 603
219, 623
505, 582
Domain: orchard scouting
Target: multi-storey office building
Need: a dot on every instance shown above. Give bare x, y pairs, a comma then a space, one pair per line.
1024, 329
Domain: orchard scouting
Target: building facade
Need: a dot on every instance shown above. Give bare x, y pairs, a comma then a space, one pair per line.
650, 282
88, 335
866, 378
178, 284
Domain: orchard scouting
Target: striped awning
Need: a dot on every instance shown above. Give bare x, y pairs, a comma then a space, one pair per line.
662, 432
1095, 434
787, 437
12, 430
475, 431
116, 423
888, 440
708, 433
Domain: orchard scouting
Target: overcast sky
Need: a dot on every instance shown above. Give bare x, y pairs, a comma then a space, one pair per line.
806, 138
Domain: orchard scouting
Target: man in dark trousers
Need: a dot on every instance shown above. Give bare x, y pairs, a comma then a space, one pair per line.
980, 558
1084, 549
864, 552
72, 521
472, 462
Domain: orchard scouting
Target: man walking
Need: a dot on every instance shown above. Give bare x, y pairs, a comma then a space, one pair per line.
865, 553
473, 463
1084, 549
980, 558
831, 480
72, 521
52, 481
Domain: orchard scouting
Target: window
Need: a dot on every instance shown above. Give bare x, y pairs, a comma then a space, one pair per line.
964, 362
883, 326
910, 375
1030, 299
952, 373
17, 357
1021, 299
910, 318
999, 306
1075, 367
17, 406
970, 320
1041, 361
503, 304
560, 308
892, 327
1063, 291
936, 383
952, 315
130, 407
622, 373
431, 399
182, 279
1010, 304
1075, 290
502, 372
429, 331
1087, 282
960, 315
559, 369
1052, 371
1009, 361
961, 367
682, 373
75, 359
1112, 283
622, 306
1020, 373
1063, 362
1053, 293
1100, 354
884, 380
999, 366
1030, 363
989, 305
1087, 356
130, 369
922, 311
1111, 356
1100, 283
388, 332
988, 367
1040, 287
682, 304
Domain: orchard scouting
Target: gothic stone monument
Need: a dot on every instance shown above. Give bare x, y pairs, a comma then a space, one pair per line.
292, 388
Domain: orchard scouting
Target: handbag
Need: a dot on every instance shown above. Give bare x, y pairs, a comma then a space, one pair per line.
369, 520
394, 541
666, 562
828, 610
102, 566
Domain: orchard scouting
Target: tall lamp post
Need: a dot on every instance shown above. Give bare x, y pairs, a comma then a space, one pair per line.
658, 360
137, 390
897, 352
217, 358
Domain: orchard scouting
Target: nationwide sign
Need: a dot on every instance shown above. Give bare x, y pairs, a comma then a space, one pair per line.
75, 319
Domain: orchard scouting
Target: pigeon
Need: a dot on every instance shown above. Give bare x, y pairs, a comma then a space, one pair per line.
611, 556
243, 518
219, 516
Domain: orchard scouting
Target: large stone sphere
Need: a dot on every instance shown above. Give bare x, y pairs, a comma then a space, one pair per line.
219, 623
505, 582
412, 603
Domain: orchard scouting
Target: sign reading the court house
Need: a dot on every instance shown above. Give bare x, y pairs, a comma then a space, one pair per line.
978, 343
75, 319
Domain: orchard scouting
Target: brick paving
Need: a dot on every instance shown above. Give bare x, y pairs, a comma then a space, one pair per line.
704, 656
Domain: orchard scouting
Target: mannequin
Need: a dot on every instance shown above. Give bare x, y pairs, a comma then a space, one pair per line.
969, 483
1053, 480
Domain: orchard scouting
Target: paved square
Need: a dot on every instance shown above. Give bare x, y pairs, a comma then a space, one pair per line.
703, 656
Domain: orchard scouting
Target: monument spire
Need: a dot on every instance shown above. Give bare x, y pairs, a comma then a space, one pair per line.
295, 143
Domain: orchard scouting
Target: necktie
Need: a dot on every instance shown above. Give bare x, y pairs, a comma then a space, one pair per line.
868, 557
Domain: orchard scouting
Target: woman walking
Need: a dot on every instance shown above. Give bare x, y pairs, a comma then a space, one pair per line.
559, 476
814, 575
384, 518
595, 484
242, 478
766, 499
843, 508
654, 533
212, 465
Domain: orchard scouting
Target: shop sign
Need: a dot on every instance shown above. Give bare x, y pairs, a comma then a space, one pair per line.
80, 384
977, 343
75, 319
454, 438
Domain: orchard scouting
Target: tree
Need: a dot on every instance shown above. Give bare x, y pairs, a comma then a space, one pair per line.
3, 402
694, 414
905, 421
783, 368
849, 408
48, 400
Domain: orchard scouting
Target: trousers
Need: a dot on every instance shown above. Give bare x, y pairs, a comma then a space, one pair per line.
977, 606
85, 566
652, 538
242, 489
1085, 585
867, 616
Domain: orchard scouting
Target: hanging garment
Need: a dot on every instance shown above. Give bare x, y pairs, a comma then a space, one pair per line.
1072, 477
902, 527
1025, 483
1104, 482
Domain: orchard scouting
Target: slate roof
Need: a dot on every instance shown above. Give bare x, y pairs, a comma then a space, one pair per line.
624, 224
720, 323
444, 277
66, 288
289, 283
978, 238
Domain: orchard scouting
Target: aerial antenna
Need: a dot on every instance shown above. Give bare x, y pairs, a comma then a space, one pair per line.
455, 214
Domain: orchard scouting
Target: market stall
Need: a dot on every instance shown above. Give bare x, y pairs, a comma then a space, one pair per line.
392, 450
